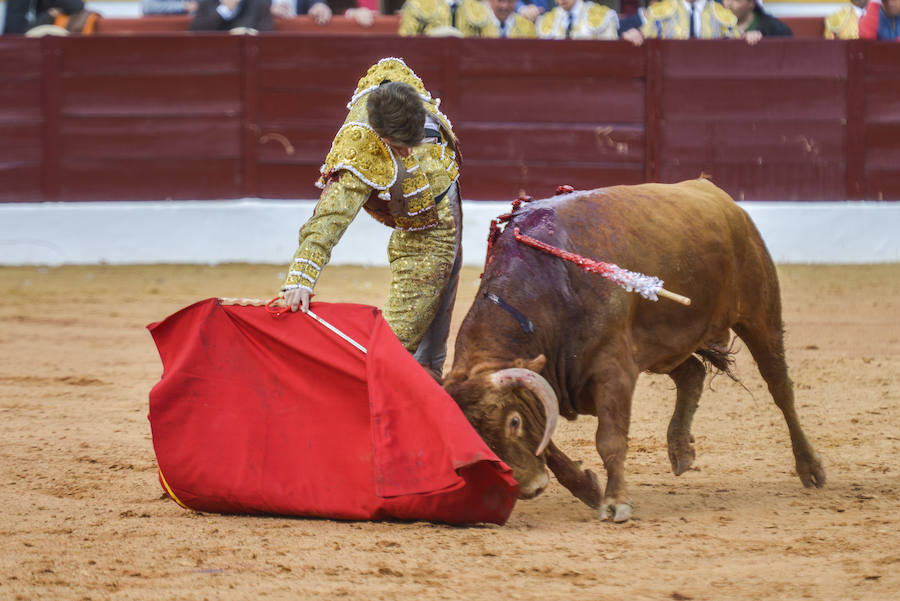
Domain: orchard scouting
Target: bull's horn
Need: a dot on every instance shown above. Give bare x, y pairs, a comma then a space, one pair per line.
533, 381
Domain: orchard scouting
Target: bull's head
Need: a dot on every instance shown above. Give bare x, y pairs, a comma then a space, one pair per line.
515, 411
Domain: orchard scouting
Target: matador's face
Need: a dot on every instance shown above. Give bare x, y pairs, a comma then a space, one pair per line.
400, 149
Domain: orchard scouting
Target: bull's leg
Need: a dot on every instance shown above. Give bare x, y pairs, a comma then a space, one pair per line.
766, 344
688, 379
613, 403
581, 483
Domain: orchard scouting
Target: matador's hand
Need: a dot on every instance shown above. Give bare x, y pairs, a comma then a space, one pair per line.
297, 298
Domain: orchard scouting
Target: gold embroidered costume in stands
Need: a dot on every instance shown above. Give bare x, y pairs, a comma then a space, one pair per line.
472, 18
405, 193
843, 25
516, 26
585, 21
670, 19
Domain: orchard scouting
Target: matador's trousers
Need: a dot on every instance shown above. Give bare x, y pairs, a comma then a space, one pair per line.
424, 278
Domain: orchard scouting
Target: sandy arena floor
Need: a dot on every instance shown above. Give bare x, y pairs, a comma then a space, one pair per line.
83, 516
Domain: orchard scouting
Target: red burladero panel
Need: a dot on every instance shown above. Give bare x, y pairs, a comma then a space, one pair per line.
21, 120
765, 122
216, 116
882, 128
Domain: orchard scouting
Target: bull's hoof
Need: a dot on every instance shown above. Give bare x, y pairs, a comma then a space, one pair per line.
588, 490
811, 472
616, 512
681, 456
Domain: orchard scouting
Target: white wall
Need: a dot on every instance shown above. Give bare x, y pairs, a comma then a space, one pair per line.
265, 231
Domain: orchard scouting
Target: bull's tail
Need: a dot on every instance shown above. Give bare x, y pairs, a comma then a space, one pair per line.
718, 359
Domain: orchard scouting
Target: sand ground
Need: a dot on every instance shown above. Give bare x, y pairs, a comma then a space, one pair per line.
83, 516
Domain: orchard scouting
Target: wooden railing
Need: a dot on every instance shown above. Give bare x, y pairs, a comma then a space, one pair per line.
209, 116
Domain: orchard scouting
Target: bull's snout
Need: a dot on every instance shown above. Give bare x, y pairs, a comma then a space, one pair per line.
534, 486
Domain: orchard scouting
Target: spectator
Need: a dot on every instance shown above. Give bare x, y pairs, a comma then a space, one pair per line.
634, 21
22, 15
753, 22
579, 20
168, 7
469, 18
881, 22
363, 11
509, 23
532, 9
684, 19
223, 15
844, 24
396, 157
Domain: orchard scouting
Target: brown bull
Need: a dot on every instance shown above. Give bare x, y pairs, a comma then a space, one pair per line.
544, 338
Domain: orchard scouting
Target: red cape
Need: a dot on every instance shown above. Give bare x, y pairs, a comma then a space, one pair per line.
262, 414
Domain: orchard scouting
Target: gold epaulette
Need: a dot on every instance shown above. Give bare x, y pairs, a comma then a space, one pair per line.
836, 23
477, 13
358, 149
723, 15
522, 27
545, 24
661, 10
598, 15
423, 8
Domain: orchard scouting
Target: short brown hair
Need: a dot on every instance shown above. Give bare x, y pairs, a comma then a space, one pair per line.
396, 112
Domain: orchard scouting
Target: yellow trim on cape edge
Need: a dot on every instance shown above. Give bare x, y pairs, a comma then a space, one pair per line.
169, 490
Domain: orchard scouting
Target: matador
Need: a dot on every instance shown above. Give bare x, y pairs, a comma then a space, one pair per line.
395, 156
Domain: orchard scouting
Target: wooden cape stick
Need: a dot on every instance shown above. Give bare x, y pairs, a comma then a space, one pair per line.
258, 302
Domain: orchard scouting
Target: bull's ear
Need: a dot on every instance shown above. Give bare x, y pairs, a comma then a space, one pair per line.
537, 364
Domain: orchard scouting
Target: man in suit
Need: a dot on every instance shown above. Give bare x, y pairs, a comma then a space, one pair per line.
22, 15
222, 15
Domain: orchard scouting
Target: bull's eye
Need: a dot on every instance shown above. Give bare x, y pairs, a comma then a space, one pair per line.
514, 424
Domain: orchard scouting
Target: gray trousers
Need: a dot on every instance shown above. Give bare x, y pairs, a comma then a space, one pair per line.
432, 350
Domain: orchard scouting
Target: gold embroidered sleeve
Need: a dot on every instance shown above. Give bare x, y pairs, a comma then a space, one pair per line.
726, 21
545, 24
658, 15
419, 16
523, 28
337, 207
409, 24
604, 22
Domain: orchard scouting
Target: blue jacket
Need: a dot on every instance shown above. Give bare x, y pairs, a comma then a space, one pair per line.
888, 27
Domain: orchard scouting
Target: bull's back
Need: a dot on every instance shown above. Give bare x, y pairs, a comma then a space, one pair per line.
694, 237
651, 225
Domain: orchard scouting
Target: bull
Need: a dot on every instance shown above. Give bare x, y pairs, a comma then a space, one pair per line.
545, 339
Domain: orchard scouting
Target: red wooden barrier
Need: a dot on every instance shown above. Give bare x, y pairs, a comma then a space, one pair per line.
217, 116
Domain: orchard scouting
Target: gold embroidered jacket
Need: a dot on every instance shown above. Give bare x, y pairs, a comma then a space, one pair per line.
473, 18
842, 25
517, 26
361, 171
669, 19
591, 21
